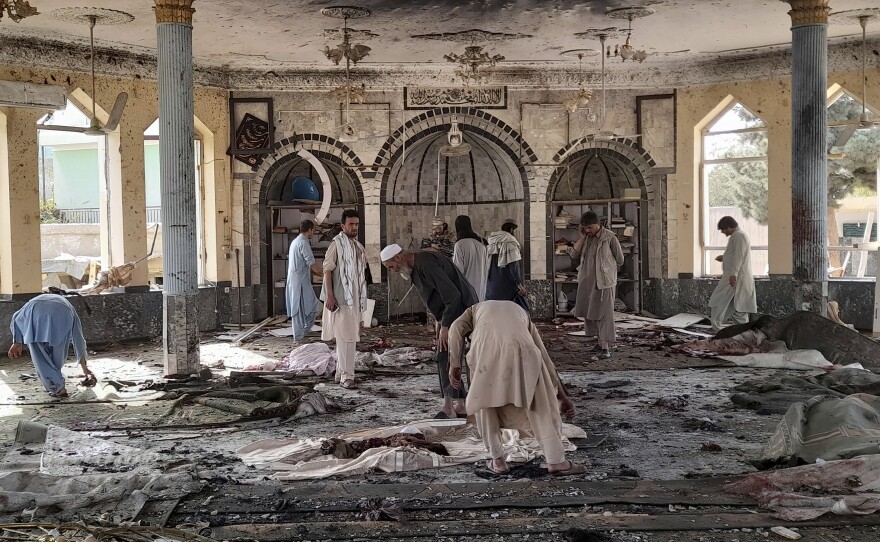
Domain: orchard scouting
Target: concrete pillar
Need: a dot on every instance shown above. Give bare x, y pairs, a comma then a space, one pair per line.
809, 190
20, 267
179, 246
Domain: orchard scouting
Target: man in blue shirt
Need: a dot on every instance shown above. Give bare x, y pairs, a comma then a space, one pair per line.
302, 303
47, 325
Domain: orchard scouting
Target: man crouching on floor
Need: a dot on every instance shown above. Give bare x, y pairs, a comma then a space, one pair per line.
513, 382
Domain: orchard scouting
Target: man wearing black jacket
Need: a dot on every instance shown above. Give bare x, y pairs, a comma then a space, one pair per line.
447, 293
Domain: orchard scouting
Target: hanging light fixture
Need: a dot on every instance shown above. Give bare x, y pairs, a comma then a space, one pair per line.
17, 9
584, 96
627, 51
455, 141
349, 52
472, 63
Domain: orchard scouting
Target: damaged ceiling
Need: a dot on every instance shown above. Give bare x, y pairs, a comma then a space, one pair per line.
290, 35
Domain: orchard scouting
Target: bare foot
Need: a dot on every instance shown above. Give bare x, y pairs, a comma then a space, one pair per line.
498, 466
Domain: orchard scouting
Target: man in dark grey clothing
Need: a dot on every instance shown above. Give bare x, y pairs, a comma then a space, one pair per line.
448, 294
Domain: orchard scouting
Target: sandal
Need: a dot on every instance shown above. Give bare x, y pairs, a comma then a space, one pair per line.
349, 385
573, 468
441, 416
90, 380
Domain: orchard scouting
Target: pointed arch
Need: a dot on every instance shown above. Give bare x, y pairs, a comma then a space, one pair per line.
731, 142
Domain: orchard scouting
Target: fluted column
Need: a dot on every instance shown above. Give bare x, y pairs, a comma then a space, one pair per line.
179, 248
809, 164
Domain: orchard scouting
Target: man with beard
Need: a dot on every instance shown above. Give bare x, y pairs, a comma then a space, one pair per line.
447, 293
344, 296
600, 255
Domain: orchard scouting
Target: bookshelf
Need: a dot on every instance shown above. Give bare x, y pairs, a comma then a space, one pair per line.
620, 216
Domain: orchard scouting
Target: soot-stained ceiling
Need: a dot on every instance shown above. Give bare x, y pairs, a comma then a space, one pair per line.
290, 34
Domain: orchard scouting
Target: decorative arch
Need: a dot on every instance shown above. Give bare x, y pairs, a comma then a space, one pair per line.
323, 147
635, 162
485, 129
327, 149
408, 218
635, 166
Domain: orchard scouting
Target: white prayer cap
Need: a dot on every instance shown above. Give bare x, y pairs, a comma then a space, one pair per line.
390, 251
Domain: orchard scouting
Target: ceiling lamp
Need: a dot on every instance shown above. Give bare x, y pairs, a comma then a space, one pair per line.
456, 145
627, 51
584, 96
349, 52
17, 9
471, 63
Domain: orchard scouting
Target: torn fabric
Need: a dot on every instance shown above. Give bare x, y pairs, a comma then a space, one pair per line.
848, 487
302, 459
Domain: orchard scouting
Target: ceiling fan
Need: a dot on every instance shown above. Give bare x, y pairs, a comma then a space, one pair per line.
94, 128
863, 121
608, 130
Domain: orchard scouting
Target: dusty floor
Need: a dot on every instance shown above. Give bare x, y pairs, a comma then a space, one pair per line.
615, 398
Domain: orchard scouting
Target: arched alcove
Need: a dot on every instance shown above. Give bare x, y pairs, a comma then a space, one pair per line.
489, 184
591, 169
593, 176
277, 206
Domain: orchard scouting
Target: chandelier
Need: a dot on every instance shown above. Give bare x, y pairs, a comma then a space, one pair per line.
17, 9
471, 63
348, 92
627, 51
584, 96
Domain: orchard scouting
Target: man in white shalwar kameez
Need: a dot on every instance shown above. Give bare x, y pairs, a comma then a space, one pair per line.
344, 296
513, 382
734, 297
302, 303
48, 325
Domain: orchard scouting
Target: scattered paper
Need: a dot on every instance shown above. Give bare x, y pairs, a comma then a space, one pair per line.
681, 320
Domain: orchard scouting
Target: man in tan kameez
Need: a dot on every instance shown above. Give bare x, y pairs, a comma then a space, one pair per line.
344, 296
513, 382
600, 256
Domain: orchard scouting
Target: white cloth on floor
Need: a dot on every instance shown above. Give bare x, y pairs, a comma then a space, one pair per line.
301, 459
315, 357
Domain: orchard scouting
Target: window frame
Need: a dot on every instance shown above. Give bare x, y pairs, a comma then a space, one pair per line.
705, 262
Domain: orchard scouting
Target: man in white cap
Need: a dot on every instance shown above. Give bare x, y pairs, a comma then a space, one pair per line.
344, 296
447, 293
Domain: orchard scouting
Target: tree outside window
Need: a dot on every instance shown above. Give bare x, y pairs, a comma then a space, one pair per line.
852, 189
